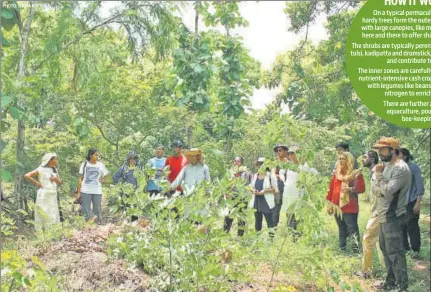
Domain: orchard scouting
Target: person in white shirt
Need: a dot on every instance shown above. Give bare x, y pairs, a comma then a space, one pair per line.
193, 173
92, 174
292, 193
47, 211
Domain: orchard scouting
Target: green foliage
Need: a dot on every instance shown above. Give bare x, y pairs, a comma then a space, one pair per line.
150, 82
7, 224
181, 255
16, 274
193, 66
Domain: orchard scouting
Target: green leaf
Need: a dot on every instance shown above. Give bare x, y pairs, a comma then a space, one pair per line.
17, 113
4, 42
6, 100
199, 100
6, 175
21, 211
4, 126
8, 24
25, 282
7, 14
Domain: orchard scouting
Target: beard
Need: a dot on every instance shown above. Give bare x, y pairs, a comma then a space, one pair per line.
366, 163
386, 158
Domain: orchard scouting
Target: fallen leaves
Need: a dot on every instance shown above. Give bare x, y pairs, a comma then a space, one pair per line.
84, 266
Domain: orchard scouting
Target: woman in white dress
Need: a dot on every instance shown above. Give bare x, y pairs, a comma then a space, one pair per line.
46, 209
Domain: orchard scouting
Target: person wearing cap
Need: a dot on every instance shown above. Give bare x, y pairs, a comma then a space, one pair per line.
156, 163
175, 163
47, 211
92, 173
240, 172
193, 173
346, 184
280, 174
370, 238
292, 193
264, 187
126, 175
414, 197
393, 180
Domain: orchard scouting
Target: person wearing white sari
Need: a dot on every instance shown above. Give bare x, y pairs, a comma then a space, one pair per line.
46, 209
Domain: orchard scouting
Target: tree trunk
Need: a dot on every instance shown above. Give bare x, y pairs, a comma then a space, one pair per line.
20, 142
190, 136
198, 3
190, 127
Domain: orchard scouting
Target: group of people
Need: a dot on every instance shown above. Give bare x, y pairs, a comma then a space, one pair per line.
396, 192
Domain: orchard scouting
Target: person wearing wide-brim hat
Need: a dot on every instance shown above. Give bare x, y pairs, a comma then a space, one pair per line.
46, 210
193, 173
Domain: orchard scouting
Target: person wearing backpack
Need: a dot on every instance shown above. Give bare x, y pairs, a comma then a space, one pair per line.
264, 187
92, 173
47, 211
126, 175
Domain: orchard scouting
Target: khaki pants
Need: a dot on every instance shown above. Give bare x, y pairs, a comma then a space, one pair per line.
369, 241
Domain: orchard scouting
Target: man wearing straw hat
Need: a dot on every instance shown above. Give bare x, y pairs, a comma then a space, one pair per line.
193, 173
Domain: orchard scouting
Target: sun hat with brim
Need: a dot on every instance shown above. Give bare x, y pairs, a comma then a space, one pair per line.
293, 148
46, 158
387, 142
193, 152
282, 146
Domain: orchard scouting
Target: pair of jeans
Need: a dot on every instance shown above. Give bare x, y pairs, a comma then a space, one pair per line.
87, 200
269, 222
411, 229
391, 244
278, 202
347, 226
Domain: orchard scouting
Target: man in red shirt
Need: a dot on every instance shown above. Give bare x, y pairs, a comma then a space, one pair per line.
176, 162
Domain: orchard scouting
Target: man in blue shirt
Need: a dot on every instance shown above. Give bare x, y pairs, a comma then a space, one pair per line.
157, 163
414, 197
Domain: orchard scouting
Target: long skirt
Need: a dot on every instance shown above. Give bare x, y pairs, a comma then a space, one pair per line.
46, 211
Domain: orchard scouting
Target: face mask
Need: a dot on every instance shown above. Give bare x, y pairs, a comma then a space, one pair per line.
386, 158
